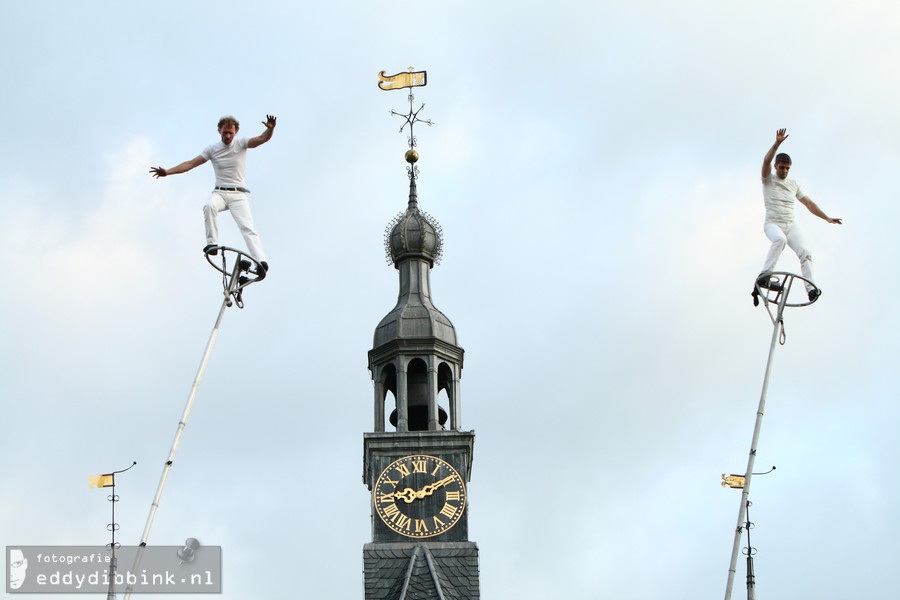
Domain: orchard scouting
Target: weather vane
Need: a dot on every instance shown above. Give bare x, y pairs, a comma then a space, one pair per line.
409, 79
108, 480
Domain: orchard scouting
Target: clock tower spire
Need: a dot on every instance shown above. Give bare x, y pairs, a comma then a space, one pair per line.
418, 460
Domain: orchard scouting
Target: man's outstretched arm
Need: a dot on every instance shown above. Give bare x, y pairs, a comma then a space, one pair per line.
266, 135
182, 168
780, 136
814, 209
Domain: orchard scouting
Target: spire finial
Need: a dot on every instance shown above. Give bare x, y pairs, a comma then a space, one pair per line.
413, 195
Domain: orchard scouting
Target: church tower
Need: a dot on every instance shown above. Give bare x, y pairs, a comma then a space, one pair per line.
417, 461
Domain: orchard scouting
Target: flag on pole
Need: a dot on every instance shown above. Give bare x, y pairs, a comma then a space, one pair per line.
402, 80
101, 481
733, 481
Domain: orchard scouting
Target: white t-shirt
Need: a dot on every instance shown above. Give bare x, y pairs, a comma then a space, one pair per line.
228, 161
779, 196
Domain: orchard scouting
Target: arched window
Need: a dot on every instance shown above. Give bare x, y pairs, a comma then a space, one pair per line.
389, 389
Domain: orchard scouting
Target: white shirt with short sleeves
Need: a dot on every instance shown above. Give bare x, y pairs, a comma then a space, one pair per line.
229, 161
779, 196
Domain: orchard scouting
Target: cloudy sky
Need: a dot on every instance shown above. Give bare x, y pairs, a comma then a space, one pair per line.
595, 168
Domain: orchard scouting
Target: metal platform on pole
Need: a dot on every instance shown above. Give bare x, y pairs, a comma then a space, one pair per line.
238, 270
777, 291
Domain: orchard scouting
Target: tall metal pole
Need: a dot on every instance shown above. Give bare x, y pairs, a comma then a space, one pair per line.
113, 526
232, 286
778, 324
751, 577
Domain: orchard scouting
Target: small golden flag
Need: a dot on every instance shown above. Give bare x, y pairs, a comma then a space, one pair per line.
402, 80
733, 481
101, 481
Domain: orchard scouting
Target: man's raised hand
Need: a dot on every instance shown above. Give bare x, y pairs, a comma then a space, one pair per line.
158, 172
269, 122
781, 135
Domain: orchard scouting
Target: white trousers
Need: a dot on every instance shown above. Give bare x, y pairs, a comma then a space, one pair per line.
239, 206
787, 234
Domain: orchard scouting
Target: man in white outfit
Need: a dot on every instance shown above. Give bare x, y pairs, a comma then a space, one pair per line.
779, 193
229, 157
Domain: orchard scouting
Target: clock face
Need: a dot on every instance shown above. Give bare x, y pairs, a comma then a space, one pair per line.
419, 496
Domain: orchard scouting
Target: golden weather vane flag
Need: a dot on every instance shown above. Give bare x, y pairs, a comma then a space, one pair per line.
402, 80
101, 481
735, 482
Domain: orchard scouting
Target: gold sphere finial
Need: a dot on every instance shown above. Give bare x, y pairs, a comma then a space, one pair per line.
411, 156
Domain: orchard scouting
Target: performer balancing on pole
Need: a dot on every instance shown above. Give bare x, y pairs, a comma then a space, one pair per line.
229, 157
779, 193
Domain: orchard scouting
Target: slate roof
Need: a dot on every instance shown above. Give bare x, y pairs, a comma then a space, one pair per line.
421, 571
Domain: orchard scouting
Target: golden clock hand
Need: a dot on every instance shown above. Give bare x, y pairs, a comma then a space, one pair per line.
446, 480
432, 487
407, 495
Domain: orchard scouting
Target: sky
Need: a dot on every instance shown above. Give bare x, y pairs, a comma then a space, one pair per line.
595, 169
